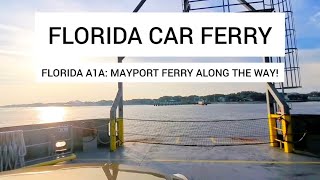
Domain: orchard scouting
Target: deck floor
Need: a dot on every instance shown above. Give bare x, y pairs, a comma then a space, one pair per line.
198, 163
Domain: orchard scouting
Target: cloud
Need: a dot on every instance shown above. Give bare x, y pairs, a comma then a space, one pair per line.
310, 77
15, 40
6, 27
309, 55
305, 14
315, 19
15, 70
14, 53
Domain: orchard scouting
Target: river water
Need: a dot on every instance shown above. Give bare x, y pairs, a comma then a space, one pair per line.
36, 115
184, 124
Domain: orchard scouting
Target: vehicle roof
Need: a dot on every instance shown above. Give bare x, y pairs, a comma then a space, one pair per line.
84, 171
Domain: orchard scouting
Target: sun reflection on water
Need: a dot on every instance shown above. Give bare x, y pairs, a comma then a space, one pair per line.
51, 114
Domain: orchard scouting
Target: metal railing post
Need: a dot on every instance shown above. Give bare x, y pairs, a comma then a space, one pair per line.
120, 110
272, 130
118, 103
120, 131
113, 122
113, 137
287, 133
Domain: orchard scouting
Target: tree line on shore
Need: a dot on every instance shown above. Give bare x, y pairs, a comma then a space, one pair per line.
244, 96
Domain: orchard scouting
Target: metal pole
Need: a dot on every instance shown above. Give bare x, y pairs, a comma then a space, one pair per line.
287, 133
139, 6
116, 125
247, 5
120, 119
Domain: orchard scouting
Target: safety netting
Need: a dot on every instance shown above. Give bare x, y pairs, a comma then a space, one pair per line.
197, 132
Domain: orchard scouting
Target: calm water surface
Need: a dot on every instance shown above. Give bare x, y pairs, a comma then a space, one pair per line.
34, 115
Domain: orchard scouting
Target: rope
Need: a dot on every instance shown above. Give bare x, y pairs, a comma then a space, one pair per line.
193, 137
197, 145
198, 121
96, 134
12, 150
286, 133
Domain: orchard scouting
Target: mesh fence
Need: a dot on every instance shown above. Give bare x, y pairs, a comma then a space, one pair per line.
197, 132
290, 60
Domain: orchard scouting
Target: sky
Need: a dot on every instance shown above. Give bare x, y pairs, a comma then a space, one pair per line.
17, 67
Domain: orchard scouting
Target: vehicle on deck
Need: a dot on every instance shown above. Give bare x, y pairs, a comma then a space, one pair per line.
88, 171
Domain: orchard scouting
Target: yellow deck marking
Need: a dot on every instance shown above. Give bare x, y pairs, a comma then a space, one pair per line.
213, 140
236, 161
178, 140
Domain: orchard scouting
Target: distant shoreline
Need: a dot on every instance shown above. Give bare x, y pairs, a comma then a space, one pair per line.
243, 97
61, 105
